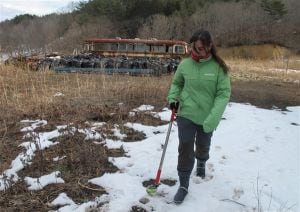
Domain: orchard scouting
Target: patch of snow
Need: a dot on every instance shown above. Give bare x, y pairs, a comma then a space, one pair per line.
41, 182
165, 115
285, 70
121, 197
118, 133
62, 200
34, 124
62, 127
59, 158
131, 114
98, 124
55, 58
90, 134
78, 208
111, 144
58, 94
144, 108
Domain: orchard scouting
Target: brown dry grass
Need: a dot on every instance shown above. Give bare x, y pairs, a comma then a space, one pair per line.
109, 98
257, 52
32, 94
25, 94
83, 160
267, 70
93, 96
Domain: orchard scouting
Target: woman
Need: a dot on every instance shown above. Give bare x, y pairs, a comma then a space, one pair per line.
200, 92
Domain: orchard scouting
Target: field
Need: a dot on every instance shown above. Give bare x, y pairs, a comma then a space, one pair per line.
77, 100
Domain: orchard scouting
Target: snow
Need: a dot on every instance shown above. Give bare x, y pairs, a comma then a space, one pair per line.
59, 158
58, 94
249, 155
90, 134
285, 70
143, 108
254, 156
34, 124
62, 200
117, 133
41, 182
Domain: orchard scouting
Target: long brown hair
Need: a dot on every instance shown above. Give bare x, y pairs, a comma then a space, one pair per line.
206, 40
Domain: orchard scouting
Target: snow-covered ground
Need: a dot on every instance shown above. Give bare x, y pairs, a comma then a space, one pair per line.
253, 166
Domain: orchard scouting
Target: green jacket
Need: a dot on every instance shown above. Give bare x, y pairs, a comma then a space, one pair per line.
203, 90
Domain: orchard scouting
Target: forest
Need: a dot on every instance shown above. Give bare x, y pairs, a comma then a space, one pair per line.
231, 22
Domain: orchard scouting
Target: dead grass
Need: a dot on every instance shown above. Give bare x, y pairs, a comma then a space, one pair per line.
67, 96
267, 70
104, 98
26, 94
75, 97
23, 91
83, 160
70, 97
257, 52
9, 144
265, 83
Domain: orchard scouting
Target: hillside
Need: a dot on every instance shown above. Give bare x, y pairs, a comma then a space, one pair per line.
232, 23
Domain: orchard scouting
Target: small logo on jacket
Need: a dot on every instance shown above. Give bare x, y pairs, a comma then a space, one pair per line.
209, 74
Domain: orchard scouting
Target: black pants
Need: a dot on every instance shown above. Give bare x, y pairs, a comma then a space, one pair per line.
190, 134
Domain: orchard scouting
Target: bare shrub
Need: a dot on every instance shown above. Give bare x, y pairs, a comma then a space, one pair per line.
76, 33
232, 23
162, 27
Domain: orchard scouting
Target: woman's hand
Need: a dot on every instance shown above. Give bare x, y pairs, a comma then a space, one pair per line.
174, 106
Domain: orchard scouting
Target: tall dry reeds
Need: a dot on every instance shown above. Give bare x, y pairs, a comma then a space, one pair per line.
268, 70
24, 93
268, 60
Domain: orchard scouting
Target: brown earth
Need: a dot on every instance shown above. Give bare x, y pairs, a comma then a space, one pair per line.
266, 94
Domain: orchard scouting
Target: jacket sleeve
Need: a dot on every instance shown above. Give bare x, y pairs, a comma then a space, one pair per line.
221, 99
176, 86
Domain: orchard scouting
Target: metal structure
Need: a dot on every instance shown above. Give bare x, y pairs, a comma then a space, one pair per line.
109, 47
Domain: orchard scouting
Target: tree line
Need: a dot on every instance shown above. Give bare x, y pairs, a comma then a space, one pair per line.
231, 22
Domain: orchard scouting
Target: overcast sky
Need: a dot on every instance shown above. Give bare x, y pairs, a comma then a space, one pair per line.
11, 8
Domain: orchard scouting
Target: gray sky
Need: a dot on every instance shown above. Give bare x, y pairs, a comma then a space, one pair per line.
11, 8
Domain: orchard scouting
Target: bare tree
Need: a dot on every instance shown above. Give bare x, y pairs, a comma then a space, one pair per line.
162, 27
75, 35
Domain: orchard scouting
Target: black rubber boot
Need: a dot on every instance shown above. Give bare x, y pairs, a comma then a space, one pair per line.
184, 178
200, 168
